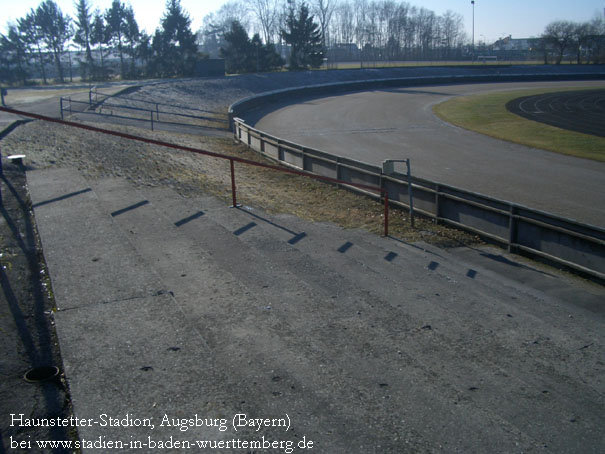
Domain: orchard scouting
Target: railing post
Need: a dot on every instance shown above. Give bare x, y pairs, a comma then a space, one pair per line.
151, 115
61, 107
512, 227
157, 112
233, 194
70, 111
437, 207
386, 213
410, 193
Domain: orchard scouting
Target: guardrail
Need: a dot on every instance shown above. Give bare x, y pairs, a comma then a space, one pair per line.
563, 241
103, 101
151, 114
232, 160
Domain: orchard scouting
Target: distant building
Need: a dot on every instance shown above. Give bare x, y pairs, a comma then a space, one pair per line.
510, 44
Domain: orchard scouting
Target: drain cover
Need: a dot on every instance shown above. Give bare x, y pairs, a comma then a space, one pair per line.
41, 374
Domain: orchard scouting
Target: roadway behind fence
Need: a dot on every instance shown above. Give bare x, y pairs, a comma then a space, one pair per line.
531, 232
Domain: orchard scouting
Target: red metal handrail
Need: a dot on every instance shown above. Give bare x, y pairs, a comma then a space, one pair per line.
232, 159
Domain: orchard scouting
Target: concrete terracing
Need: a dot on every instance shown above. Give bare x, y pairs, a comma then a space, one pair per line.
184, 307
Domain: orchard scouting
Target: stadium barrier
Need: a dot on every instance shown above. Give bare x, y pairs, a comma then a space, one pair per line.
520, 229
383, 194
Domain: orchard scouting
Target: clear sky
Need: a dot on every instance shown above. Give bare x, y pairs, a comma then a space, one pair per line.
493, 19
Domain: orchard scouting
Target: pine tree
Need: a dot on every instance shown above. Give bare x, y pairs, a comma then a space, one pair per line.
115, 18
304, 36
237, 50
244, 55
29, 29
13, 56
55, 31
174, 46
99, 36
131, 36
82, 35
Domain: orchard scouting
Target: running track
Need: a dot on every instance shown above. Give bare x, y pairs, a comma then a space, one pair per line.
399, 123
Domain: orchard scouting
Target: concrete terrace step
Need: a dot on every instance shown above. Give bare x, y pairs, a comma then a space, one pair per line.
481, 323
368, 344
272, 241
127, 346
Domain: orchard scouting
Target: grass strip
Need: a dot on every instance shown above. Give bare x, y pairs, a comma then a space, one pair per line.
487, 114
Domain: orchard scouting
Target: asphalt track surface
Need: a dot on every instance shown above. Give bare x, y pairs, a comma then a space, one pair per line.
399, 123
577, 111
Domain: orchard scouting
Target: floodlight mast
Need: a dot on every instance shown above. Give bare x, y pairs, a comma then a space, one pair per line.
473, 45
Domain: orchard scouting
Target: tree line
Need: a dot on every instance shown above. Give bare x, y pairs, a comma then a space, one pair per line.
390, 30
584, 41
383, 29
46, 35
307, 33
299, 32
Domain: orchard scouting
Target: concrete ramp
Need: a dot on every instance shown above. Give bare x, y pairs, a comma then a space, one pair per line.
182, 311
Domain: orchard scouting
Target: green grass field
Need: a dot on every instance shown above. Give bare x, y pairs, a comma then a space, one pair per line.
487, 114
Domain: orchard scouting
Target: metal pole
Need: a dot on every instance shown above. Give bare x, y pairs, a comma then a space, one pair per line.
473, 47
61, 105
151, 115
157, 112
233, 195
2, 89
386, 213
407, 161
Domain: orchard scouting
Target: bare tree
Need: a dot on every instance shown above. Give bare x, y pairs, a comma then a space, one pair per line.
266, 14
560, 35
452, 27
211, 35
597, 40
323, 10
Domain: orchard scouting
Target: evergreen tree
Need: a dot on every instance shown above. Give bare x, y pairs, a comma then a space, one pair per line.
115, 18
13, 56
82, 35
174, 45
304, 36
131, 36
55, 31
244, 55
99, 36
144, 52
31, 33
267, 59
237, 50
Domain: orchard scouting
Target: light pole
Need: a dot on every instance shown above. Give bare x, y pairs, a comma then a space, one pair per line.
473, 46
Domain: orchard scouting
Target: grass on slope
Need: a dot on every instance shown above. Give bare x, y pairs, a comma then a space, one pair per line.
487, 114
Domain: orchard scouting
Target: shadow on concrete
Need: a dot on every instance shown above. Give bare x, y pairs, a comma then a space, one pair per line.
27, 303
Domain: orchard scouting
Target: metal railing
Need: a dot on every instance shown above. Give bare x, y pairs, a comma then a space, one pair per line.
100, 104
520, 229
380, 192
